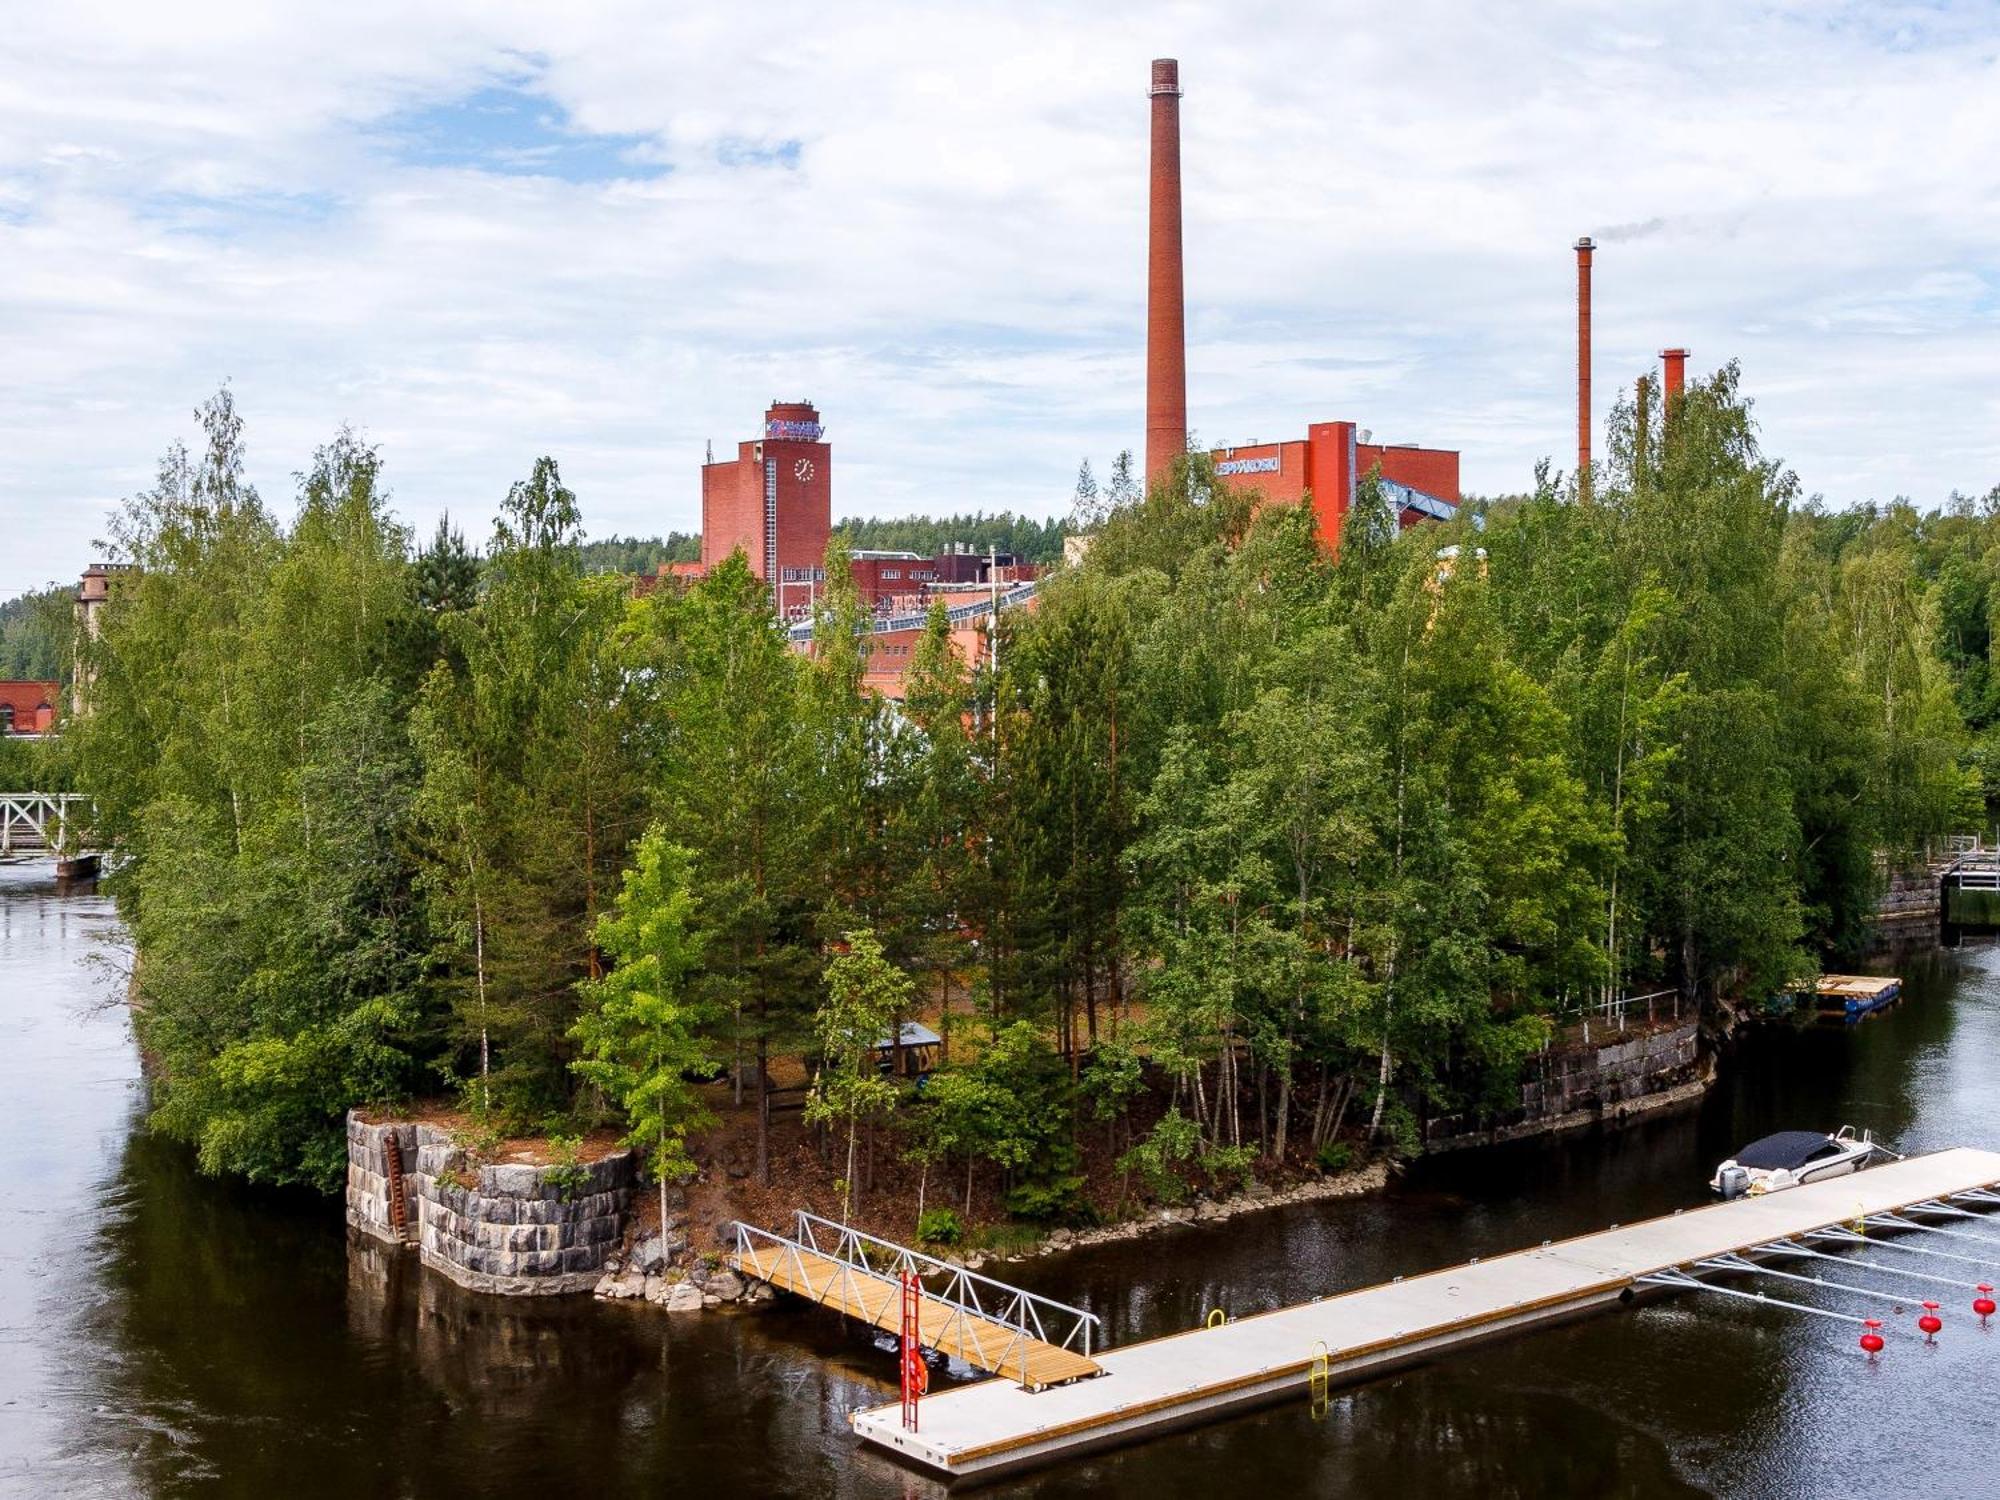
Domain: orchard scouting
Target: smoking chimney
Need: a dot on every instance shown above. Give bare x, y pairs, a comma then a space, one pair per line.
1583, 249
1166, 319
1676, 361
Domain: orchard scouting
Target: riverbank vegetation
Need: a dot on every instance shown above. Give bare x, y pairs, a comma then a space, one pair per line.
1239, 857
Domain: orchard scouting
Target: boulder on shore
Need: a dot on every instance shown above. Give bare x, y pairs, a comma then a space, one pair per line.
627, 1285
719, 1281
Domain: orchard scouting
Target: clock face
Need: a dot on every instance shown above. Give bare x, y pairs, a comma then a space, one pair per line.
803, 469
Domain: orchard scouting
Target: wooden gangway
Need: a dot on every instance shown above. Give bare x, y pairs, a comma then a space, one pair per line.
1033, 1341
1197, 1376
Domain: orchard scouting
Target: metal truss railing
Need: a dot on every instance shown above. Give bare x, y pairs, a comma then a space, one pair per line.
1012, 595
26, 818
1818, 1246
987, 1322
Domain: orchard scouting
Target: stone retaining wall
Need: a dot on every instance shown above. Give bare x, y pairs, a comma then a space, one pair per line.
1609, 1080
502, 1228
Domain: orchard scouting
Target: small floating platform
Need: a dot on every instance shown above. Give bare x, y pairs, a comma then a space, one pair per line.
1186, 1378
1846, 998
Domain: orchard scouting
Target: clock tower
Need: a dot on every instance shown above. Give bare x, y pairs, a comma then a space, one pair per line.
774, 503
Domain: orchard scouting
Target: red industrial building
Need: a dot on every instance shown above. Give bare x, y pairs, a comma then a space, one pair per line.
29, 707
1332, 459
774, 500
1328, 464
883, 576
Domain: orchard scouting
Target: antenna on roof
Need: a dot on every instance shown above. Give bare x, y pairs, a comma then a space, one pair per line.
711, 452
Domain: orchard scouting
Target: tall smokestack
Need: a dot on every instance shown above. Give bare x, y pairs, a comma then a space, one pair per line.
1166, 319
1676, 362
1583, 249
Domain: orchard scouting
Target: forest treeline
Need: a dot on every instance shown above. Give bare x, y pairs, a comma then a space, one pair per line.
1239, 851
1002, 531
35, 634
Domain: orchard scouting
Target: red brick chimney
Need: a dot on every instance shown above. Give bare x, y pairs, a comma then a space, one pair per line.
1583, 249
1166, 319
1676, 361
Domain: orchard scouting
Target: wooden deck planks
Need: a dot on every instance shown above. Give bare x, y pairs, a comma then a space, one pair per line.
875, 1299
1859, 986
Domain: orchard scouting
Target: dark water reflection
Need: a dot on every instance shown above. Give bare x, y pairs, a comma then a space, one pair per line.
163, 1333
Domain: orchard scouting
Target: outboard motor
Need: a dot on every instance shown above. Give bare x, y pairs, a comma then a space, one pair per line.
1733, 1180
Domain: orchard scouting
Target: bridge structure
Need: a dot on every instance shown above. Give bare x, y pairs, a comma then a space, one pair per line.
1861, 1226
34, 824
1033, 1341
959, 615
1967, 888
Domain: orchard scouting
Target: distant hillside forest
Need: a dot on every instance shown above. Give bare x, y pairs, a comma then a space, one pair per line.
635, 554
35, 634
1023, 536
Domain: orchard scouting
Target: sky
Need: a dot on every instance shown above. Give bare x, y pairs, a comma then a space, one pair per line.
612, 233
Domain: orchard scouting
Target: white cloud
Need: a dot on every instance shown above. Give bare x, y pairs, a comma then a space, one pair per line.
930, 219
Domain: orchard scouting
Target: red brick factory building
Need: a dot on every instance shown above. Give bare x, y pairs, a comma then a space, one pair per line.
1331, 460
1327, 466
775, 501
28, 708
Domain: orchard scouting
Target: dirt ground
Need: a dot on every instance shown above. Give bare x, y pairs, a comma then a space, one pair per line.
532, 1149
806, 1166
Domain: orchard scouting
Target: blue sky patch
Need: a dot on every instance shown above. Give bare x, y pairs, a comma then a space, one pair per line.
508, 130
737, 151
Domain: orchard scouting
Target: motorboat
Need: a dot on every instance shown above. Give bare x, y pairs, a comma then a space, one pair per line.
1792, 1158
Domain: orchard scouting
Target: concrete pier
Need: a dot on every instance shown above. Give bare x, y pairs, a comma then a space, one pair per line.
1191, 1377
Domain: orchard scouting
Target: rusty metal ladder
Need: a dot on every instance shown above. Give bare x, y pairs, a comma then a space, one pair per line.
399, 1208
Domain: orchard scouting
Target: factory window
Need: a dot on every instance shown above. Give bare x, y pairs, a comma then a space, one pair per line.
888, 573
770, 517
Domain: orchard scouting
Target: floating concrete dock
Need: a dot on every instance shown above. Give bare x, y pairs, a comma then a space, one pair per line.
1193, 1377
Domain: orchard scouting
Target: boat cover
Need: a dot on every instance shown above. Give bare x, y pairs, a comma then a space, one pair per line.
1787, 1149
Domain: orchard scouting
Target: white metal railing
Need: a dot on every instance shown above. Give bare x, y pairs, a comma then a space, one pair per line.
26, 819
976, 1302
1611, 1014
1012, 595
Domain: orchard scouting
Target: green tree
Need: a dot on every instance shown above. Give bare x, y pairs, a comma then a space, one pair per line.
733, 780
639, 1030
532, 793
864, 995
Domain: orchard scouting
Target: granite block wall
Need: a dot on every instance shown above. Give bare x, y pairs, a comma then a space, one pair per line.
506, 1227
1622, 1076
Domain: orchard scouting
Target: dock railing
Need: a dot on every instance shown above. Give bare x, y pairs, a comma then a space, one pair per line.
971, 1297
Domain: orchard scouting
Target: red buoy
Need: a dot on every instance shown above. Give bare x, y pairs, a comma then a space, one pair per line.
1983, 1303
1871, 1341
1930, 1322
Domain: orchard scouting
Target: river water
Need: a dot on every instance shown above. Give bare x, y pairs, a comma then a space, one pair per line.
161, 1333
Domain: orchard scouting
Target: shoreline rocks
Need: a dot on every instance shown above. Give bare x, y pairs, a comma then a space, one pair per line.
1255, 1199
